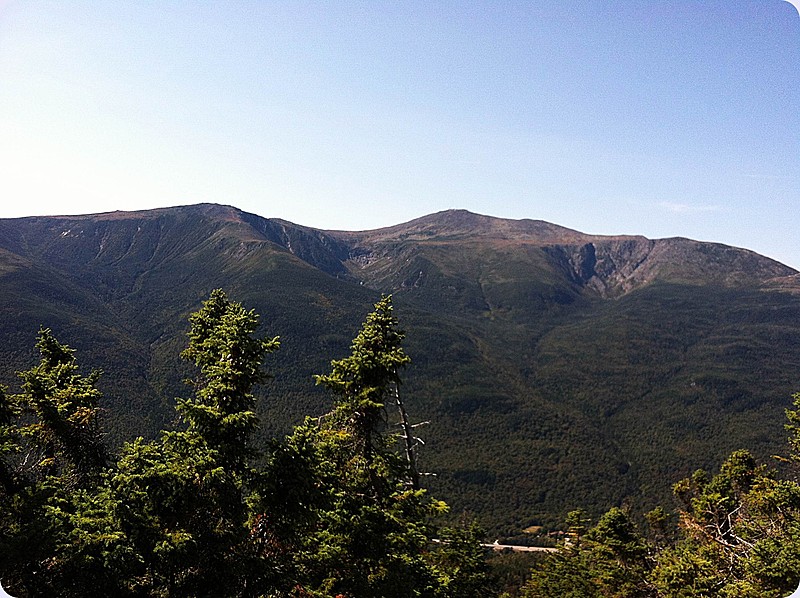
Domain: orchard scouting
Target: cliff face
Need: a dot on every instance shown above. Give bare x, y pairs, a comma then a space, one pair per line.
614, 267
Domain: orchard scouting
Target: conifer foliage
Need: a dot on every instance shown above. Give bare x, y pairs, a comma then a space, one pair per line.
362, 381
334, 509
229, 357
202, 511
737, 536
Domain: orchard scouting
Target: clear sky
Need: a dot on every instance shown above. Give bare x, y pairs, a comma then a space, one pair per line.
654, 117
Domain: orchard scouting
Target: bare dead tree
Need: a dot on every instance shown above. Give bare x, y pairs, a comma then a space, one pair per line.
410, 442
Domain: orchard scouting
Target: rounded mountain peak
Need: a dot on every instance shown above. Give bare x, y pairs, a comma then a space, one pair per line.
464, 225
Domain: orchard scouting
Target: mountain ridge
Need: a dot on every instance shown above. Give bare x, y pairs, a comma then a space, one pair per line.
448, 225
558, 369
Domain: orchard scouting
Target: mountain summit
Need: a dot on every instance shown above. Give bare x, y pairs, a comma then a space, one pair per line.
607, 265
557, 369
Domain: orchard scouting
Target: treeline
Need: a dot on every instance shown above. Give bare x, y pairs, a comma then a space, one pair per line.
736, 534
334, 509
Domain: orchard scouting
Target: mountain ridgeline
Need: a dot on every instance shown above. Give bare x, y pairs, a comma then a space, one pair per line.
557, 369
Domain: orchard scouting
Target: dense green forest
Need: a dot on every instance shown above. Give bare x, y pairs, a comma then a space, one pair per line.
735, 534
336, 508
558, 370
333, 509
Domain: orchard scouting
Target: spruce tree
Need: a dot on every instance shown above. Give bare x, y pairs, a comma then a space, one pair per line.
229, 357
52, 456
369, 530
184, 499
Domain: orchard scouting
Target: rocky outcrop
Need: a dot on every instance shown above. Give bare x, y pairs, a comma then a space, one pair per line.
612, 267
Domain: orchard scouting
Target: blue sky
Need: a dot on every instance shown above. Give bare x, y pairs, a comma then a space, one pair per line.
611, 117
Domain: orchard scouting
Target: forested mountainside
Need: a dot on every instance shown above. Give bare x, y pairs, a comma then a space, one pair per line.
557, 369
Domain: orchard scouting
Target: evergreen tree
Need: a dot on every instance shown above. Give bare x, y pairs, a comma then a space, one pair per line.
171, 517
229, 357
183, 500
368, 530
363, 381
52, 452
610, 559
10, 444
65, 431
738, 537
331, 511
